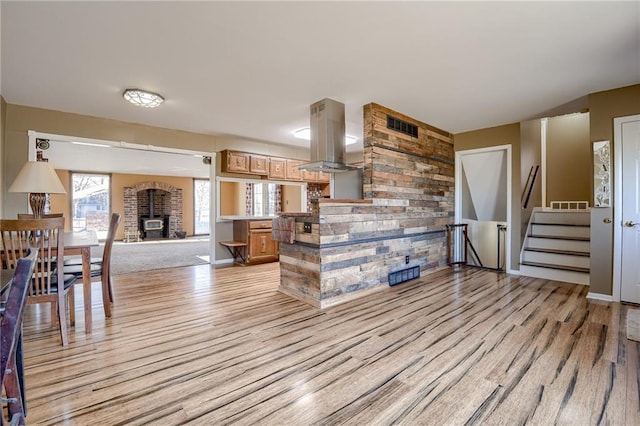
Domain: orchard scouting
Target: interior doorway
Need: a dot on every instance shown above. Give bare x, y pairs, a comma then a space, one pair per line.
483, 202
96, 156
626, 268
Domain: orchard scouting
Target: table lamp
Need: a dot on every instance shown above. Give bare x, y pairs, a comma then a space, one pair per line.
38, 178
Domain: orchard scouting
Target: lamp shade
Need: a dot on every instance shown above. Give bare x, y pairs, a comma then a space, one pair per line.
37, 176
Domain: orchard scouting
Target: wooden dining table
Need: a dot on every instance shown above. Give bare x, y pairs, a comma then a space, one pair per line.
80, 243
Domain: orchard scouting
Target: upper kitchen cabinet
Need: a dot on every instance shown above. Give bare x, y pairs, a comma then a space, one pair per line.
277, 168
243, 162
273, 167
258, 165
293, 173
324, 177
235, 162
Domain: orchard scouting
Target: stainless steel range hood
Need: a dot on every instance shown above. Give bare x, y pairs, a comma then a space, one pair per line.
327, 138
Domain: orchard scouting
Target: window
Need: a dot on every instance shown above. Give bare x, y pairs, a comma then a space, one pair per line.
90, 202
201, 197
264, 200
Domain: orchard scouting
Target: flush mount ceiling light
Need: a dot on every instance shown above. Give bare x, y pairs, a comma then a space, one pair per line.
305, 133
142, 98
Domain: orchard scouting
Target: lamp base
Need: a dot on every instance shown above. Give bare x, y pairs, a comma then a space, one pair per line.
37, 201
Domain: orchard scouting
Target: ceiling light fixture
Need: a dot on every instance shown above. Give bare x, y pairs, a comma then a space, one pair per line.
142, 98
305, 133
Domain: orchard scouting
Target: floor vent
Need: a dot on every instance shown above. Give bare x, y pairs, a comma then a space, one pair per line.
398, 277
402, 126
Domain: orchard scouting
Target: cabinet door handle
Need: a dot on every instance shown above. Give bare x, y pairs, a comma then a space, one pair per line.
263, 244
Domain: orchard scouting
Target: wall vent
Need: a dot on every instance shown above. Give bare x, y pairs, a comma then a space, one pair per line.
398, 277
402, 126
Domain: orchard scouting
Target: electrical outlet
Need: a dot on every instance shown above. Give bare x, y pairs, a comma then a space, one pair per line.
406, 260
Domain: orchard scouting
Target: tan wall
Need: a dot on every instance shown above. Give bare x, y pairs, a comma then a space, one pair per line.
607, 105
229, 199
291, 198
568, 158
530, 156
502, 135
62, 203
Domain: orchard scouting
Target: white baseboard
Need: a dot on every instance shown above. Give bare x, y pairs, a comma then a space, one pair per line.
599, 296
223, 262
513, 271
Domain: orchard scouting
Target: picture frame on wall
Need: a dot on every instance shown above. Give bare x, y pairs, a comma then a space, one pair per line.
601, 174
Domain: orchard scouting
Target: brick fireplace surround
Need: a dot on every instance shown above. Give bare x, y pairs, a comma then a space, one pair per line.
168, 203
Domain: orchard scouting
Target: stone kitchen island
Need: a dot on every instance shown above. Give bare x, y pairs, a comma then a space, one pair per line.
347, 249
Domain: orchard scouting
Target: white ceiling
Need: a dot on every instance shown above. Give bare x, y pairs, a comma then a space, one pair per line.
252, 69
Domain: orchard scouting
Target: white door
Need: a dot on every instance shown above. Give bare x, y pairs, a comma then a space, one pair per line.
629, 132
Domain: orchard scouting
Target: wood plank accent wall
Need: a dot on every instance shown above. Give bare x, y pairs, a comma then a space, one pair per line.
420, 170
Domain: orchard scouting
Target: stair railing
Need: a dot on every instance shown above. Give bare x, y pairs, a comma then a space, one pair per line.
528, 187
459, 247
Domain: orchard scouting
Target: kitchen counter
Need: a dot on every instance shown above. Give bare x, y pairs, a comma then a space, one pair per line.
347, 248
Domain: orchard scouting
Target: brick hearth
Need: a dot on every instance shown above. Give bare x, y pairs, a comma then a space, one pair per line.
136, 204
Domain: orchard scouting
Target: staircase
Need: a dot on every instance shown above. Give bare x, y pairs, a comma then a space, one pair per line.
557, 246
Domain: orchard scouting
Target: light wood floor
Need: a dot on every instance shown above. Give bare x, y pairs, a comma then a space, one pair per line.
221, 346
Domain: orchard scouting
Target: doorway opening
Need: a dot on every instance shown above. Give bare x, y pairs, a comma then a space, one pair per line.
483, 202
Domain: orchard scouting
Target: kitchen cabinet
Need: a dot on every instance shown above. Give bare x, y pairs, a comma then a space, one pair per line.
258, 164
256, 233
277, 168
293, 173
309, 176
235, 162
243, 162
274, 168
324, 177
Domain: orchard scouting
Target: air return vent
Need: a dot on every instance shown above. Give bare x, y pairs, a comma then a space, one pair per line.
399, 277
402, 126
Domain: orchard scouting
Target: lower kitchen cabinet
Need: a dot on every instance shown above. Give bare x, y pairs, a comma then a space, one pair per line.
256, 233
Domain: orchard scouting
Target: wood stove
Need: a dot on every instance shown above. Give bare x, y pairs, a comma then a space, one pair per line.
154, 226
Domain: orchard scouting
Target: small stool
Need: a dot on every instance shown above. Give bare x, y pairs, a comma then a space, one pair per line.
238, 249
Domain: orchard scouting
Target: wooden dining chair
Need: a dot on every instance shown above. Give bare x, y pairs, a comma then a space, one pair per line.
101, 268
44, 216
12, 312
49, 284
